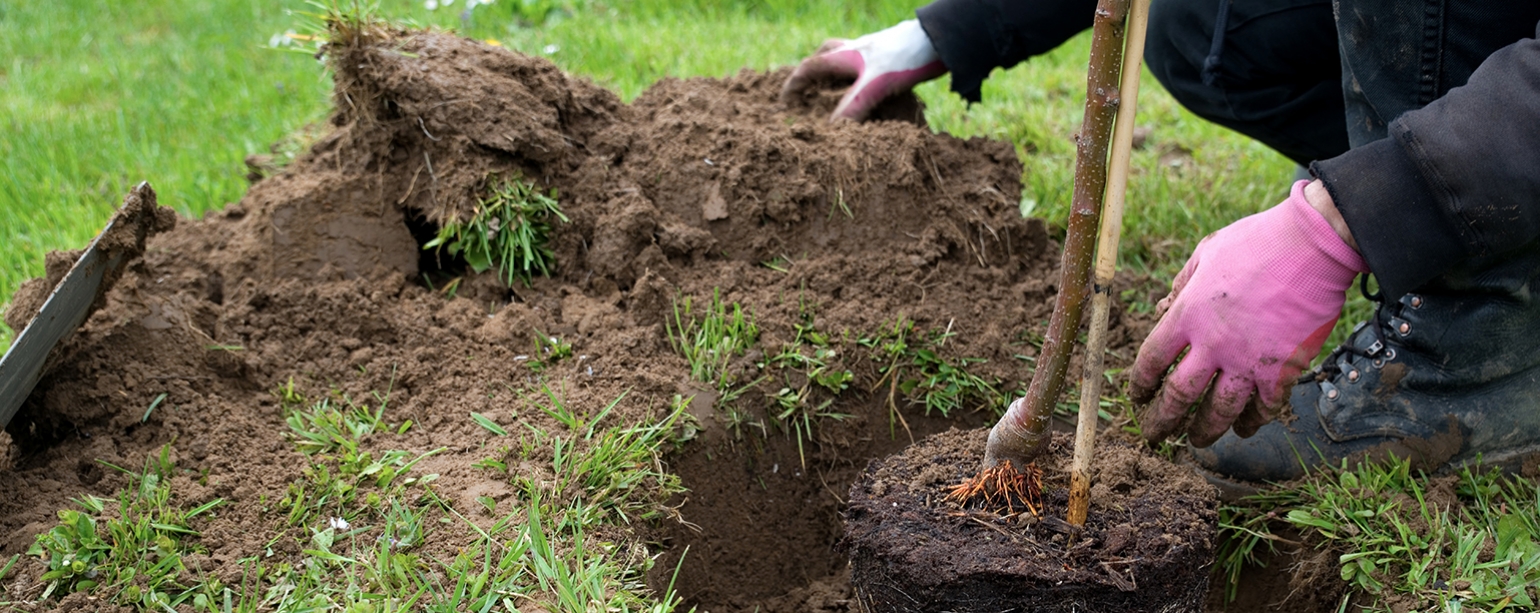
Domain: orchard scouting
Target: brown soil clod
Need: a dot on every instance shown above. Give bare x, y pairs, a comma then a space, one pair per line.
1146, 546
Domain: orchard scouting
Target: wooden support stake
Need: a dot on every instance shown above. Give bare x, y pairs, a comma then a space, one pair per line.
1106, 265
1020, 435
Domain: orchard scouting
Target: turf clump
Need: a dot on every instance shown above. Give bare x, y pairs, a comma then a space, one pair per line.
509, 230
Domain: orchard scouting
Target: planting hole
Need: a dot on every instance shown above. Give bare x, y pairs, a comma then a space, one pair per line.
436, 268
764, 528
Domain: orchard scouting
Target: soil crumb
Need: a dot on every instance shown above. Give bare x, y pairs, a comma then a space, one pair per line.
1146, 545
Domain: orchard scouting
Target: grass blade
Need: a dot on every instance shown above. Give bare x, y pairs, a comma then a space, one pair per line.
487, 424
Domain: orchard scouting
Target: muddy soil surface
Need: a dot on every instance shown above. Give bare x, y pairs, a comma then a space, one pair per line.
699, 186
1145, 546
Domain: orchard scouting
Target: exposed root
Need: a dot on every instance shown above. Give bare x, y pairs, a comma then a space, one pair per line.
1002, 490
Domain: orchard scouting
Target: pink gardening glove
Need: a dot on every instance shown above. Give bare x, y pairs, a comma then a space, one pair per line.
882, 64
1254, 304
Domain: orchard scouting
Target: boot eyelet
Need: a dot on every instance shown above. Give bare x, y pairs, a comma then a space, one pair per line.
1416, 302
1404, 329
1332, 394
1390, 354
1379, 362
1352, 376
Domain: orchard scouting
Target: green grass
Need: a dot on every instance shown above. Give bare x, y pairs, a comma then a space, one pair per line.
508, 231
811, 372
134, 552
598, 471
362, 518
913, 363
813, 375
710, 338
549, 350
802, 380
345, 478
1479, 551
327, 427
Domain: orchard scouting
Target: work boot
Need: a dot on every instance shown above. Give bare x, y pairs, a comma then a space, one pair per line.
1445, 376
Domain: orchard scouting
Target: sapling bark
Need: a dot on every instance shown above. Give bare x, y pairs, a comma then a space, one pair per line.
1106, 266
1022, 433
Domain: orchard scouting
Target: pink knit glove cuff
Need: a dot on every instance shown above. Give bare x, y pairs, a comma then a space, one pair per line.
1251, 308
1304, 269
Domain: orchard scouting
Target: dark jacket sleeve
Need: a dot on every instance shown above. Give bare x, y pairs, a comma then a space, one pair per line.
1456, 179
974, 37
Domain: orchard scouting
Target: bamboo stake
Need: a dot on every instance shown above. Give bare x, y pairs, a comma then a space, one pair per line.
1106, 265
1020, 435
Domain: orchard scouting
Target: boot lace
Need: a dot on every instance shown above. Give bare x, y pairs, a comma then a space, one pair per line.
1339, 360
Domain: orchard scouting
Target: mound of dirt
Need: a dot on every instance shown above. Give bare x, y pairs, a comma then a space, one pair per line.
1146, 544
317, 277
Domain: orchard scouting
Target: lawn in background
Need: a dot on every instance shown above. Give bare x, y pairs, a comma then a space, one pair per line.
98, 95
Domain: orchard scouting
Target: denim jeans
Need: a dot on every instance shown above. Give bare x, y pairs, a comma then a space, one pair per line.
1310, 78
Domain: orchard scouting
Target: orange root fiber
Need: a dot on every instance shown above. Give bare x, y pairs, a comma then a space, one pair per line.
1001, 489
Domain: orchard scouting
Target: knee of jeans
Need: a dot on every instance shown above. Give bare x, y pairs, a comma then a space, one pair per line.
1180, 35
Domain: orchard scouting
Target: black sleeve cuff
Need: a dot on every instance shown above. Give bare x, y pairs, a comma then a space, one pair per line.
957, 28
973, 37
1406, 238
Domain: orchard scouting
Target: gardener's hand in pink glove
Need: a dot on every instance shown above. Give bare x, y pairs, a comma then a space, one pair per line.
1252, 308
882, 64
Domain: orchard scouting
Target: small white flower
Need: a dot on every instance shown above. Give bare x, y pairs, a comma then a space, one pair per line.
338, 523
431, 4
550, 49
282, 39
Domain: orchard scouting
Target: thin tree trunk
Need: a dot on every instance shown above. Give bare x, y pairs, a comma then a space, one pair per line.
1020, 434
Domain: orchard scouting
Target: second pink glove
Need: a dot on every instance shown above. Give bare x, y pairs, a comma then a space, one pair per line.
1252, 307
881, 63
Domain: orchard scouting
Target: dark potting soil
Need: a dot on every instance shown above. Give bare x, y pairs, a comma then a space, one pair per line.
1147, 544
317, 276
